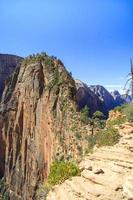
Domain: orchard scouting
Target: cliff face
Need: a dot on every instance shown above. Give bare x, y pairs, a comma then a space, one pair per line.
120, 99
104, 96
8, 63
96, 97
85, 96
37, 115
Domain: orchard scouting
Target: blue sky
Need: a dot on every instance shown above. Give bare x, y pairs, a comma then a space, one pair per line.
94, 38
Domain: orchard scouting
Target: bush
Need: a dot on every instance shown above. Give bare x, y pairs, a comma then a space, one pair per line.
118, 121
120, 108
98, 119
107, 137
91, 139
56, 80
60, 171
128, 112
98, 115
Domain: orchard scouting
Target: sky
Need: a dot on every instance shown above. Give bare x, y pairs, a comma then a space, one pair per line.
93, 38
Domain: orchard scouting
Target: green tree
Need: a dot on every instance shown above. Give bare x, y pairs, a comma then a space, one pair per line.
98, 120
85, 114
98, 115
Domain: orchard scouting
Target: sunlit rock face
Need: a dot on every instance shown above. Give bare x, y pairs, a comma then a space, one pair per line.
85, 96
96, 97
37, 114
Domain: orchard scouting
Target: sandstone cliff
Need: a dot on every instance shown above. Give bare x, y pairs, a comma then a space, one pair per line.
85, 96
8, 63
96, 97
38, 123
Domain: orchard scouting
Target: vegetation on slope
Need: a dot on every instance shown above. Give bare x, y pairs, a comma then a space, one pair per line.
105, 137
59, 172
127, 110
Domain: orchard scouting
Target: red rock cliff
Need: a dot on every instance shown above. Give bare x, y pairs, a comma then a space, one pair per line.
37, 113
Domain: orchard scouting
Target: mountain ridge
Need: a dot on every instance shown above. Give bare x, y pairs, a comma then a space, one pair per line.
96, 97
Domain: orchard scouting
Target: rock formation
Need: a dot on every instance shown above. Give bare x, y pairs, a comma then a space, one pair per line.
96, 97
38, 122
85, 96
104, 96
107, 174
119, 99
8, 63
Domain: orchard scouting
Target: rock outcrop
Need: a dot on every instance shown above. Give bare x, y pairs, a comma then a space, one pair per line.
38, 120
119, 99
96, 97
107, 174
104, 96
85, 96
8, 64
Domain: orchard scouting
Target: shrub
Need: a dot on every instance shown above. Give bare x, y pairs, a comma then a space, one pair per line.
98, 115
48, 61
118, 121
56, 79
60, 171
91, 139
128, 112
120, 108
107, 137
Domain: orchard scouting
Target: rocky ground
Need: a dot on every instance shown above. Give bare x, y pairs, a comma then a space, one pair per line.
107, 174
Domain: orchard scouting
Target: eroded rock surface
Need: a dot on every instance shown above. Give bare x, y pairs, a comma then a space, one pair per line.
37, 115
114, 180
96, 97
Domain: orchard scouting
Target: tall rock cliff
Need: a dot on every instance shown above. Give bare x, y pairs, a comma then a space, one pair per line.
121, 99
96, 97
8, 63
38, 123
85, 96
104, 96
